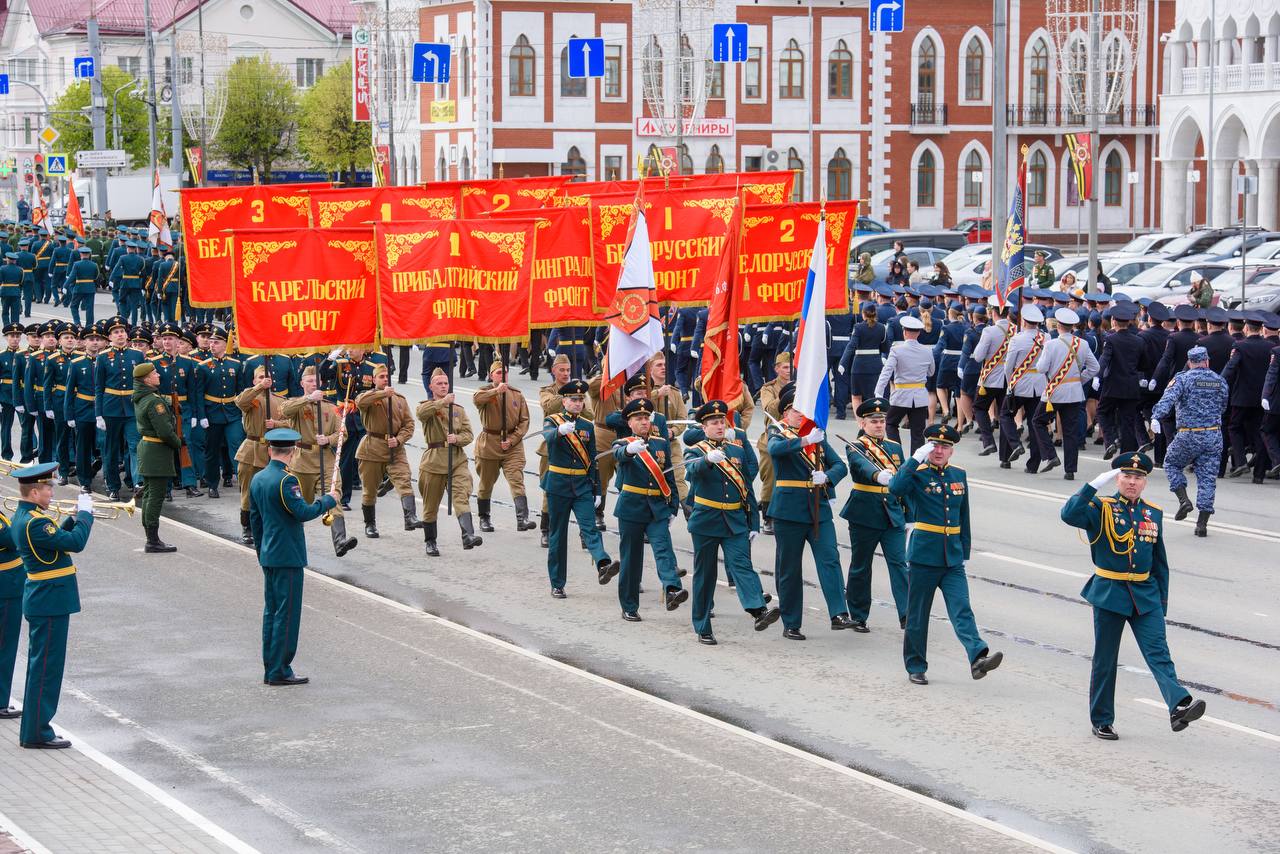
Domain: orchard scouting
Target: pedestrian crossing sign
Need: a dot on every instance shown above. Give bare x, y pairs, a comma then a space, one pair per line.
56, 164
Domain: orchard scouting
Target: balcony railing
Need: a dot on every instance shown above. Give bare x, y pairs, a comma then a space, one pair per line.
1061, 115
929, 114
1253, 77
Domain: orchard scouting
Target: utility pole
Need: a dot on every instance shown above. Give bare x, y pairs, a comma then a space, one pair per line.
151, 81
98, 113
175, 152
391, 96
204, 113
999, 129
1094, 100
680, 78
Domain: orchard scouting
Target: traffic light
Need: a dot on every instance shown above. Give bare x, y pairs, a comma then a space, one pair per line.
39, 165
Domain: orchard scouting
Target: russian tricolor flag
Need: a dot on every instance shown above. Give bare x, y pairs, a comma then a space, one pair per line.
813, 387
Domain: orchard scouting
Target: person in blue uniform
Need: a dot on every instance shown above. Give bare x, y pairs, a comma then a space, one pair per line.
11, 587
876, 517
647, 501
1117, 382
218, 381
27, 261
1130, 584
78, 408
863, 356
1197, 397
806, 470
33, 390
570, 484
277, 512
60, 262
126, 282
938, 494
49, 598
721, 469
9, 360
10, 289
57, 370
434, 356
682, 340
1246, 373
82, 278
42, 247
113, 408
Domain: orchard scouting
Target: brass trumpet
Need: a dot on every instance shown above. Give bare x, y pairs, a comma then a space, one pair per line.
101, 509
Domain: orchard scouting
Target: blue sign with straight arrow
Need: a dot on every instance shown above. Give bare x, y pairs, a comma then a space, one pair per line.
728, 42
586, 57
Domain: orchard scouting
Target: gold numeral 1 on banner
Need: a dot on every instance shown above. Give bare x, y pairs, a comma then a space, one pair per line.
453, 245
386, 211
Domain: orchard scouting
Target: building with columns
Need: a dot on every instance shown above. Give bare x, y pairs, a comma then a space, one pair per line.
1220, 114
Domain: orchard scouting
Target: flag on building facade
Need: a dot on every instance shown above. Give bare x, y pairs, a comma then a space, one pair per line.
158, 225
1081, 147
195, 162
813, 387
635, 332
721, 378
1011, 261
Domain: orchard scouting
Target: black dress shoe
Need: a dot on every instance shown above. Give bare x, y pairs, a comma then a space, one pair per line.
1016, 452
918, 679
766, 618
1030, 469
1006, 465
792, 634
606, 571
987, 451
708, 639
1051, 465
675, 597
113, 495
902, 623
841, 621
226, 483
289, 680
860, 627
557, 593
984, 664
1147, 446
1069, 476
192, 492
631, 616
10, 712
1110, 451
1187, 711
52, 744
213, 491
1106, 733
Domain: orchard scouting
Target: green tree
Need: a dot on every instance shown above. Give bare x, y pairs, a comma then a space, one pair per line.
327, 135
77, 132
262, 109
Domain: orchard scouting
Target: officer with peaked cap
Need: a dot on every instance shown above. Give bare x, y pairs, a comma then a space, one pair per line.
1117, 382
909, 366
1065, 365
1023, 386
1130, 584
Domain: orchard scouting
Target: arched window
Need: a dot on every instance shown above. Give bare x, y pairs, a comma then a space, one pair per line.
442, 167
1113, 180
465, 168
791, 72
926, 73
464, 70
1076, 83
1037, 180
715, 163
840, 72
686, 162
974, 70
926, 173
570, 87
574, 165
651, 71
1039, 76
522, 64
973, 179
796, 165
839, 176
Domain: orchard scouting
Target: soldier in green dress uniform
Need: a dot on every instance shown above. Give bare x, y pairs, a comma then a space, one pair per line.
1130, 584
570, 483
158, 440
806, 470
11, 578
50, 598
721, 472
648, 499
875, 516
938, 494
276, 513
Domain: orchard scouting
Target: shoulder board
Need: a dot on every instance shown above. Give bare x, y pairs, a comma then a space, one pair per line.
1153, 505
233, 359
956, 469
206, 362
1106, 499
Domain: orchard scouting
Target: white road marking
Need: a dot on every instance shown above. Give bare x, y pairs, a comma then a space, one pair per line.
1216, 721
1019, 561
1259, 614
26, 840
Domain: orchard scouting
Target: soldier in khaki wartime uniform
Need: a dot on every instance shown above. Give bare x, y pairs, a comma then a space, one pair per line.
388, 426
318, 423
447, 431
504, 419
261, 411
769, 403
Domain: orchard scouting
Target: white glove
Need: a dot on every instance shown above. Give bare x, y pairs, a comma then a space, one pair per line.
551, 354
48, 413
695, 354
751, 536
193, 423
566, 428
101, 422
922, 453
635, 446
813, 437
1266, 405
764, 339
883, 478
71, 423
21, 409
959, 372
1155, 426
1096, 382
716, 456
84, 503
1142, 383
1104, 478
819, 478
840, 368
204, 422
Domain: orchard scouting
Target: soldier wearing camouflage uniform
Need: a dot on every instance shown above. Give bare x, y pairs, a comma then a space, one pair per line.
1198, 396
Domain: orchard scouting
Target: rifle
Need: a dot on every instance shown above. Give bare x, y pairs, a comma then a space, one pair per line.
449, 475
184, 454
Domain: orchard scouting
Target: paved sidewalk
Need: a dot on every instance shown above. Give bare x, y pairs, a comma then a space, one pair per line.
65, 801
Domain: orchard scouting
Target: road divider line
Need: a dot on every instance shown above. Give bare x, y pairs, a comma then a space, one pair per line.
1269, 736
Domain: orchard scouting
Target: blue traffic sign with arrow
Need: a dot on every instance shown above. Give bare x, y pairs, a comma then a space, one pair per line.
888, 16
82, 67
586, 57
728, 42
430, 62
4, 84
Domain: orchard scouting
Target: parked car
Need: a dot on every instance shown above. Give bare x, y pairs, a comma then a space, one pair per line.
1122, 270
1229, 247
1077, 264
925, 256
867, 225
1167, 279
1264, 297
966, 263
1143, 243
976, 229
875, 243
1196, 242
1260, 254
1227, 284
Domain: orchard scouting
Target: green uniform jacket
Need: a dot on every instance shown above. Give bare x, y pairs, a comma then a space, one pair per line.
640, 496
710, 486
870, 504
11, 574
276, 513
940, 499
158, 431
791, 466
51, 589
564, 462
1124, 539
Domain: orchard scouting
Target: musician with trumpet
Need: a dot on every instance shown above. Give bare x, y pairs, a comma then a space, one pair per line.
321, 433
158, 439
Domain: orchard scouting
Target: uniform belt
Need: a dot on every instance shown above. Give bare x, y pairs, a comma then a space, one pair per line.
570, 344
7, 382
153, 439
937, 529
47, 574
866, 352
900, 386
494, 432
718, 505
127, 276
1197, 429
119, 392
1121, 576
952, 352
1071, 380
253, 438
839, 337
80, 396
641, 490
59, 388
12, 564
563, 470
306, 446
435, 446
210, 399
795, 484
868, 487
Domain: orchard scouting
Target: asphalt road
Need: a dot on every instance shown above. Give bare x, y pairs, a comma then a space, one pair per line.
455, 705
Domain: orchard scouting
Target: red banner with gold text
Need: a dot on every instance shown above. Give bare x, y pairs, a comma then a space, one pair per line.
303, 290
510, 194
455, 280
758, 188
561, 281
207, 214
777, 242
361, 206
